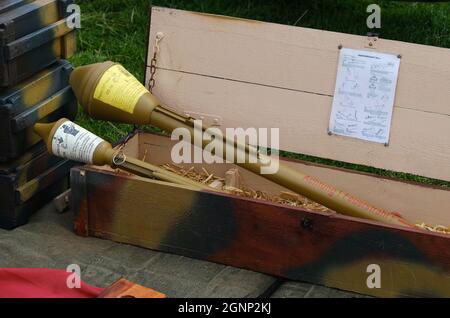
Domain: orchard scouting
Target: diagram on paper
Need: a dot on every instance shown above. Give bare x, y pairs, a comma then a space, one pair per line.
364, 95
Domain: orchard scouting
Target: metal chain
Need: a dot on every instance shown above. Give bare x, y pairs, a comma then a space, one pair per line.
151, 81
127, 138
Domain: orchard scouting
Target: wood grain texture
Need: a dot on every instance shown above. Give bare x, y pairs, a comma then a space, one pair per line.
259, 74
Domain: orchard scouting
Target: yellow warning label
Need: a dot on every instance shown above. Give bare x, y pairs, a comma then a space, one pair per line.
118, 88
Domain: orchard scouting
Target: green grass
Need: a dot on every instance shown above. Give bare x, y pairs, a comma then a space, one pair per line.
117, 30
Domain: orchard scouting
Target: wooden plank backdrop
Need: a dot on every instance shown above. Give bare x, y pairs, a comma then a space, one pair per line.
257, 74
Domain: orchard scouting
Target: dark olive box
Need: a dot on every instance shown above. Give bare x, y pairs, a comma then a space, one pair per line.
45, 97
33, 35
31, 181
6, 5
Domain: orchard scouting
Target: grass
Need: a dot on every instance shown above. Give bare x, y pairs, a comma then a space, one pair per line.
117, 30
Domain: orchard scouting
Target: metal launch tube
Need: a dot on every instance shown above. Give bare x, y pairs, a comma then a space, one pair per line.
107, 91
68, 140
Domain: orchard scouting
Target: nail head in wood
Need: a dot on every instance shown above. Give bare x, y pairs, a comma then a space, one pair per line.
306, 223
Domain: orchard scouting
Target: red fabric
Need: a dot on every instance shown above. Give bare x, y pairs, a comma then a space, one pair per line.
41, 283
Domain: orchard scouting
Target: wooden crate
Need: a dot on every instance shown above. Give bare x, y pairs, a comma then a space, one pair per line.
44, 97
31, 181
241, 73
33, 35
6, 5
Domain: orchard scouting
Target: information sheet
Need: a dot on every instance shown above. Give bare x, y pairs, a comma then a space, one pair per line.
364, 95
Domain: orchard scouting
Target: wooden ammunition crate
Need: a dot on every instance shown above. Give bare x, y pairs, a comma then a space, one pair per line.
6, 5
239, 73
30, 182
45, 97
33, 35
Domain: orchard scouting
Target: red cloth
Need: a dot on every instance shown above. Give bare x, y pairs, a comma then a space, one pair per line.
42, 283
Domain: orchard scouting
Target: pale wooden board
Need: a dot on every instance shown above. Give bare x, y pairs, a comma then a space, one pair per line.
416, 202
303, 118
290, 57
267, 75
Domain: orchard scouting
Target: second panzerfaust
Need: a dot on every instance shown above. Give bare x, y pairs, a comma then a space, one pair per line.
107, 91
68, 140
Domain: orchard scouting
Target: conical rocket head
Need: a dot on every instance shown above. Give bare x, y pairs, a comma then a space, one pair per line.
108, 91
68, 140
46, 131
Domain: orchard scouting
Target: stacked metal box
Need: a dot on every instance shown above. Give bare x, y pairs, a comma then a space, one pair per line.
34, 87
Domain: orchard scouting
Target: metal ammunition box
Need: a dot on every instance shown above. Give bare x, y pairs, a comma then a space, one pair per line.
33, 35
45, 97
27, 186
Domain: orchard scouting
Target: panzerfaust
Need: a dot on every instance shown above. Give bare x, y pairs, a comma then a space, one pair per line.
68, 140
107, 91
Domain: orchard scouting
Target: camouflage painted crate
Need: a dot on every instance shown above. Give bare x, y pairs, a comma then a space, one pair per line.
317, 247
46, 96
6, 5
238, 73
33, 152
25, 186
33, 35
